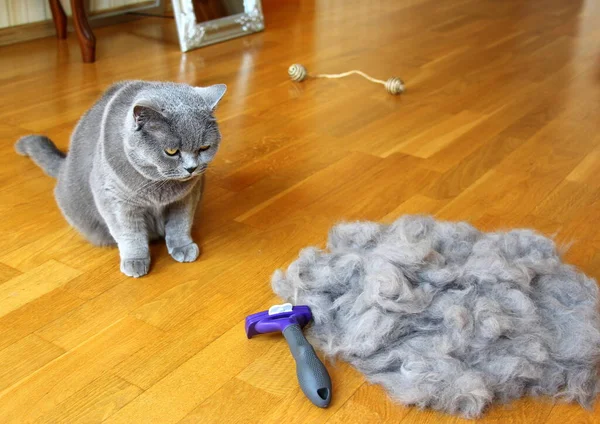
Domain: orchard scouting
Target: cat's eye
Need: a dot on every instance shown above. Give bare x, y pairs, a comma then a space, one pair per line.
171, 152
204, 148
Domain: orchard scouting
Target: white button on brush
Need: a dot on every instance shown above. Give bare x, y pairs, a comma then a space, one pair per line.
278, 309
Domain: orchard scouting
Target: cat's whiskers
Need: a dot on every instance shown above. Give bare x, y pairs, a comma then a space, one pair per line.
170, 176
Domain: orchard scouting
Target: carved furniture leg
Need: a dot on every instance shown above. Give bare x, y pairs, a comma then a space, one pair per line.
59, 18
87, 40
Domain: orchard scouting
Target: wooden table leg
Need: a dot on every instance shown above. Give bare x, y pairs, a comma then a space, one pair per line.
87, 40
59, 18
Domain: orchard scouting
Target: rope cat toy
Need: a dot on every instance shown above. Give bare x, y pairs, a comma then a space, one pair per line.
393, 85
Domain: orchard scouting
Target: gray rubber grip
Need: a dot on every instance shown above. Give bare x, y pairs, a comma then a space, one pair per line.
312, 374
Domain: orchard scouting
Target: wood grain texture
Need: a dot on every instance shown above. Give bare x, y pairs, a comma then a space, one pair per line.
26, 287
21, 359
499, 126
94, 403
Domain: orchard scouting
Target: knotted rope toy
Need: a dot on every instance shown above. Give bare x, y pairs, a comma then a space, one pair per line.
393, 85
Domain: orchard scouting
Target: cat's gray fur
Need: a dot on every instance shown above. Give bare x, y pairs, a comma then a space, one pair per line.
447, 317
117, 185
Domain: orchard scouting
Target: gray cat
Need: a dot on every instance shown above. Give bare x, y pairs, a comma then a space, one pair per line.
135, 167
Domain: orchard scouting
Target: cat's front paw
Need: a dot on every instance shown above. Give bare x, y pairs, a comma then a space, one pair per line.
187, 253
135, 267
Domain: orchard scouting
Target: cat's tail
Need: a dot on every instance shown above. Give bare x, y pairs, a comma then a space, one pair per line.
43, 152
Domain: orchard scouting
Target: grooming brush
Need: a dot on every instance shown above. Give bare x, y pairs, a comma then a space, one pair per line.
312, 374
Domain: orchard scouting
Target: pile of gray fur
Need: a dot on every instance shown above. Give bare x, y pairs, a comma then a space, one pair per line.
447, 317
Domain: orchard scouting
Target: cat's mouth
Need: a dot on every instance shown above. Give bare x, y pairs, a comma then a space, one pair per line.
189, 177
186, 177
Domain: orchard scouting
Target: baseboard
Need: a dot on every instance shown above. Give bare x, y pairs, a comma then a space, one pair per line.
145, 5
20, 33
35, 30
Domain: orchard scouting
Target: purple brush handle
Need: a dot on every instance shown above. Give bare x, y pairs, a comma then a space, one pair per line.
275, 326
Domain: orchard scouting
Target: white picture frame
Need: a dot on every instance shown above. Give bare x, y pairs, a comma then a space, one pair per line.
193, 34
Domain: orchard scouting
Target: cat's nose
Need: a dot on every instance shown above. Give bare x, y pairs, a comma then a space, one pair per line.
191, 169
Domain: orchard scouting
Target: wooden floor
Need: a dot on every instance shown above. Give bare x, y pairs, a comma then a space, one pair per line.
499, 126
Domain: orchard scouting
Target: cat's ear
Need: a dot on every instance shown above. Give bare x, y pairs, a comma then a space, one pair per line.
212, 94
143, 113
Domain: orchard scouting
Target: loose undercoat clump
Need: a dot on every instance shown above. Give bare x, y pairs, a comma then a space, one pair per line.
447, 317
